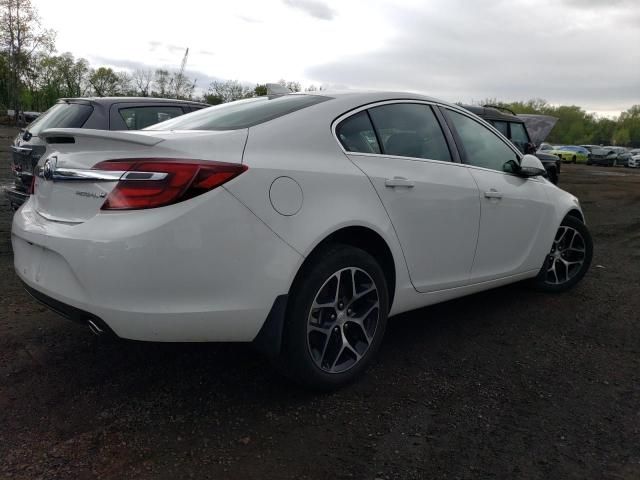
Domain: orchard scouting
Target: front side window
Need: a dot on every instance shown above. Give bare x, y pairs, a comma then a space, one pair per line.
519, 136
410, 130
481, 146
356, 134
137, 118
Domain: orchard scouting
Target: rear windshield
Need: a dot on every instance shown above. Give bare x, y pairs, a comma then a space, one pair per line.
61, 115
240, 114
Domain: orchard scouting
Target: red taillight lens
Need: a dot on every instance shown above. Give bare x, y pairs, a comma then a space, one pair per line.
183, 179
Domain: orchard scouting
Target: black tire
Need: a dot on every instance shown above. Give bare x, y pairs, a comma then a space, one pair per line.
573, 159
297, 361
561, 255
552, 175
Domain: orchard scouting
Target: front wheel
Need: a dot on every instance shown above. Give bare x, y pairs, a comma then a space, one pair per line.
336, 318
569, 258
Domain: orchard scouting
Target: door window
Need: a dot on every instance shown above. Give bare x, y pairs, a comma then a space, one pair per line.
519, 136
481, 146
356, 134
410, 130
137, 118
502, 127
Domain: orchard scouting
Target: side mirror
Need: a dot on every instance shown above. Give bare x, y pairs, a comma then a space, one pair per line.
531, 166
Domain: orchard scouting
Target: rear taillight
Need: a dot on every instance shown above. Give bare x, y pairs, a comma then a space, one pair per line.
156, 182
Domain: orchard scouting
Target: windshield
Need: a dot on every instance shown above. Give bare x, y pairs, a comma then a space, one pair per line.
61, 115
240, 114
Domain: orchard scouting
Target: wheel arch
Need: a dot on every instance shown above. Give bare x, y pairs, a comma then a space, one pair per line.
575, 213
362, 237
269, 338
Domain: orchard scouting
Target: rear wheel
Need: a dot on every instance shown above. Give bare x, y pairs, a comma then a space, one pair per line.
573, 159
552, 175
336, 318
569, 258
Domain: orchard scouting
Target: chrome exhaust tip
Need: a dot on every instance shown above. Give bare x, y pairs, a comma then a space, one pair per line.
95, 329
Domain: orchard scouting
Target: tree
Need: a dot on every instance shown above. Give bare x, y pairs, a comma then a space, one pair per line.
161, 83
229, 90
105, 82
142, 79
260, 90
180, 86
21, 37
293, 86
621, 137
212, 99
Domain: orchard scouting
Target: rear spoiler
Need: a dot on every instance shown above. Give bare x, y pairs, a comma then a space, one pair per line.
68, 135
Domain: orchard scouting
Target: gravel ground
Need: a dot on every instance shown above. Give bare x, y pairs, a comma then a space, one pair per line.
509, 384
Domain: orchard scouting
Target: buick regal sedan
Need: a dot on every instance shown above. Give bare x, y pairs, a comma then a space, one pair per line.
298, 222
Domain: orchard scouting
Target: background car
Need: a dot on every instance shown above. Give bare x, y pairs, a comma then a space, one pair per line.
571, 153
515, 129
601, 156
622, 156
104, 113
634, 161
299, 222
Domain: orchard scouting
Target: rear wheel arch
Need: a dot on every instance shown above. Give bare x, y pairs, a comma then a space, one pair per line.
270, 337
576, 214
364, 238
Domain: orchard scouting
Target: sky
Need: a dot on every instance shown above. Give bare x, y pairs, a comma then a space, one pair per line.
582, 52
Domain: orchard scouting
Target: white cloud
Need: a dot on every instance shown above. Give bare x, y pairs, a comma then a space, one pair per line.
567, 51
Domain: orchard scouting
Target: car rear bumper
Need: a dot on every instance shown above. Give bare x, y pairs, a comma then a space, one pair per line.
203, 270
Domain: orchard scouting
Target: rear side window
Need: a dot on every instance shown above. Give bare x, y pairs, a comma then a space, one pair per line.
356, 134
242, 113
62, 115
502, 127
410, 130
137, 118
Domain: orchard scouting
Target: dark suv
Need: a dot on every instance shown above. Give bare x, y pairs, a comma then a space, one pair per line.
102, 113
515, 129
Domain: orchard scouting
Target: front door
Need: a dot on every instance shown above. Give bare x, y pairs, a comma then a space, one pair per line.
515, 211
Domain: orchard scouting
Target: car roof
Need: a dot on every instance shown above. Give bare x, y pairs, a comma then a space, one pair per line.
111, 100
342, 101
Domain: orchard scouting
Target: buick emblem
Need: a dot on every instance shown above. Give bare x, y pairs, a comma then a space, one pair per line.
49, 167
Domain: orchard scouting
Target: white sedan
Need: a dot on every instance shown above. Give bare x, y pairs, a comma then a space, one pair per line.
299, 222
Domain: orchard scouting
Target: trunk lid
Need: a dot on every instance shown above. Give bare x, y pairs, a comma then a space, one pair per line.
68, 189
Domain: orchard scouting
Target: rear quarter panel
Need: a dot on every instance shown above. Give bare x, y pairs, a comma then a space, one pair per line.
335, 192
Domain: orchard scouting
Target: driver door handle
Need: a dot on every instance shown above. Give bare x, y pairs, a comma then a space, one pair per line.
398, 182
493, 193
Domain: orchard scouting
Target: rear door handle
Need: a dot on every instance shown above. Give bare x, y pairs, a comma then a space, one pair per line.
493, 193
398, 182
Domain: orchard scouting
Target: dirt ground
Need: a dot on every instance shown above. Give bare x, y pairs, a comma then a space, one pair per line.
509, 384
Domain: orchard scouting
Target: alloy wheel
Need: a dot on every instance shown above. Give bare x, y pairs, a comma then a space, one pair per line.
567, 256
343, 319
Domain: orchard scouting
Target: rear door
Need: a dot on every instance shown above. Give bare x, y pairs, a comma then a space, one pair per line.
136, 116
515, 211
431, 199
